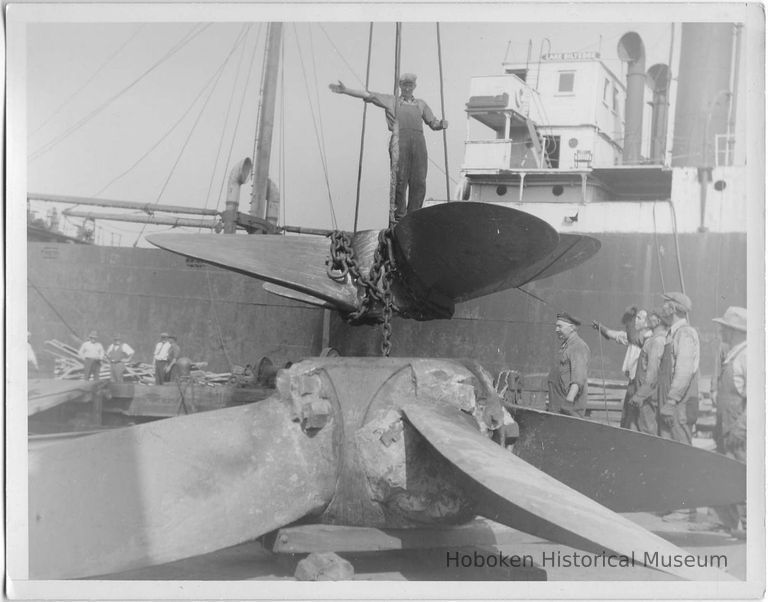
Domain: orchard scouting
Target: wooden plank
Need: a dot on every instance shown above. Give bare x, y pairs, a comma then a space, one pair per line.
44, 394
513, 492
334, 538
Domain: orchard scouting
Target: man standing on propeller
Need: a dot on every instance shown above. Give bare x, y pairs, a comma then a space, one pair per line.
412, 158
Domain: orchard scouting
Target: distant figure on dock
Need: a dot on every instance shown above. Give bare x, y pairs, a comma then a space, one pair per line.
92, 354
173, 356
31, 357
412, 158
160, 356
633, 336
568, 377
118, 355
645, 399
679, 373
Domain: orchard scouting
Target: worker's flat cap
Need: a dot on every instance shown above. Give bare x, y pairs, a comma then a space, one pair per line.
93, 334
408, 77
566, 317
734, 317
164, 334
679, 298
116, 336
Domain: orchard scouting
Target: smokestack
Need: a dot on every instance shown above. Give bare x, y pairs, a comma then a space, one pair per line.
658, 79
703, 92
632, 52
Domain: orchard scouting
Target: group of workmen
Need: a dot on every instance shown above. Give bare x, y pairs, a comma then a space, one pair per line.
119, 354
662, 364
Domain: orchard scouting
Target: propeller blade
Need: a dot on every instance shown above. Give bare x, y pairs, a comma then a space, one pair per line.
290, 261
463, 250
289, 293
172, 489
571, 251
625, 470
511, 491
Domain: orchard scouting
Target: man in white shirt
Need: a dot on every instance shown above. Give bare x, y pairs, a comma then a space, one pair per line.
162, 350
92, 353
118, 354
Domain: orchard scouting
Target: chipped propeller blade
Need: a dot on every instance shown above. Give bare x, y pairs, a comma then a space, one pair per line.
171, 489
511, 491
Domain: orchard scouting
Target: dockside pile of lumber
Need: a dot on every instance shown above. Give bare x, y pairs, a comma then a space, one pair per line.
69, 366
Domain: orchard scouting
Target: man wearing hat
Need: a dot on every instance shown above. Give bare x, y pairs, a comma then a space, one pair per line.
678, 386
91, 352
731, 426
568, 378
412, 148
174, 353
118, 354
162, 351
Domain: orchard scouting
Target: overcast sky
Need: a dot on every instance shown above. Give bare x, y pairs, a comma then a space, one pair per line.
101, 96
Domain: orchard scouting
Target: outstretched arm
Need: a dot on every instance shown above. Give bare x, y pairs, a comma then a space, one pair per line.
340, 88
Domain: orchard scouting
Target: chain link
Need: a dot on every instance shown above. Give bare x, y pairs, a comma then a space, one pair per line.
376, 285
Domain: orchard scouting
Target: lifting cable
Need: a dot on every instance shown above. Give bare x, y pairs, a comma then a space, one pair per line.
362, 134
49, 304
394, 144
442, 109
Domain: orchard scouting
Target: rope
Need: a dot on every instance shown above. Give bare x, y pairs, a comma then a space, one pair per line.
226, 120
442, 109
180, 154
49, 304
362, 134
45, 148
89, 80
658, 250
677, 246
239, 113
216, 318
602, 374
317, 133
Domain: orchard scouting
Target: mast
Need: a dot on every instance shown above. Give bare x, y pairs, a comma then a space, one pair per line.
265, 121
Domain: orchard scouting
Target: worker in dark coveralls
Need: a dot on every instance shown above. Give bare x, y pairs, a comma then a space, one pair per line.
731, 426
568, 377
678, 387
633, 336
412, 160
645, 398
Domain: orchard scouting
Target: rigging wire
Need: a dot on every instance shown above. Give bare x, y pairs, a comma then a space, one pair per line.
281, 176
362, 133
442, 109
658, 249
99, 69
49, 304
45, 148
238, 41
168, 132
226, 119
317, 135
341, 56
240, 111
677, 245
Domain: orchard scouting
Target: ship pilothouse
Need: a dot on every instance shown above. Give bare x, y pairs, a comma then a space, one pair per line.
564, 136
554, 131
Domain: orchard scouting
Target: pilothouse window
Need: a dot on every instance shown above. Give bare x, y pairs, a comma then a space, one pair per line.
565, 83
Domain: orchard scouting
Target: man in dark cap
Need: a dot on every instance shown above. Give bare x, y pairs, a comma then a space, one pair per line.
678, 385
568, 377
645, 399
412, 157
160, 357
